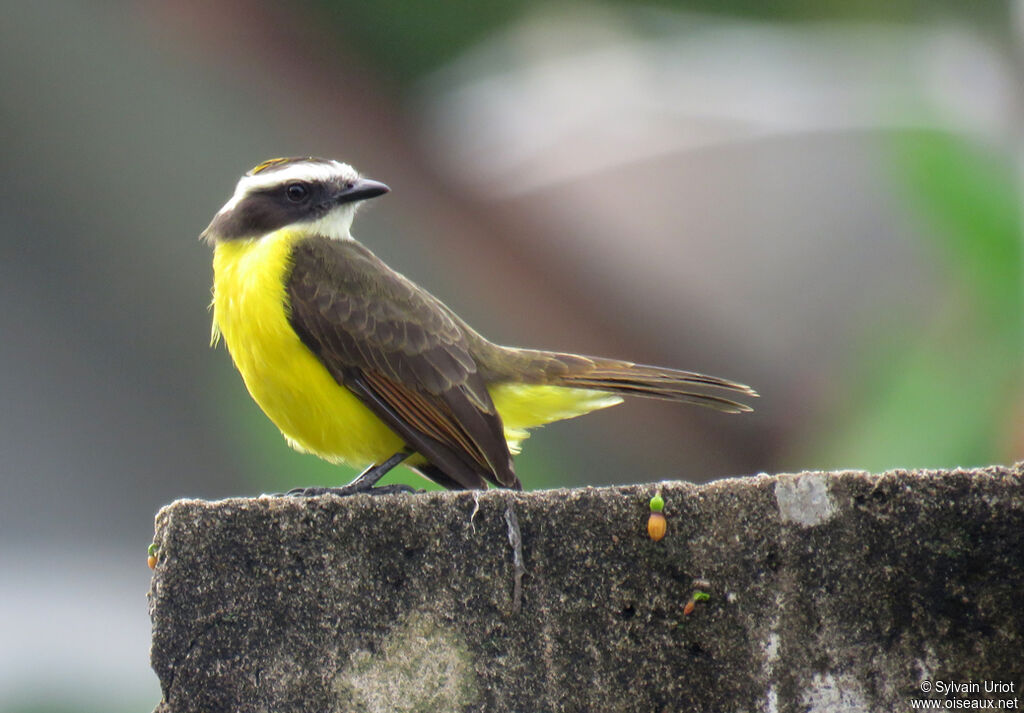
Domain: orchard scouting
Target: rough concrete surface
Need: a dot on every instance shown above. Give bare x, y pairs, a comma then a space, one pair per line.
828, 592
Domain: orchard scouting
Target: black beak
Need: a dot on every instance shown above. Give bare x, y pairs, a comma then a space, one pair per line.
362, 189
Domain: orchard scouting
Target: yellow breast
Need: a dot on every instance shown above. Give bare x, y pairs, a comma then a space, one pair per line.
289, 383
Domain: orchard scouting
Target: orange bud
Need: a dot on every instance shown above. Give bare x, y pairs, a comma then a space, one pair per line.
151, 561
690, 606
656, 526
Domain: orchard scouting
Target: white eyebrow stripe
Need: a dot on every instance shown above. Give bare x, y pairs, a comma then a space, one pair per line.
310, 172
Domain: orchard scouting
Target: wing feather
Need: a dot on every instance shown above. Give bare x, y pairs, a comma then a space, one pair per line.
400, 352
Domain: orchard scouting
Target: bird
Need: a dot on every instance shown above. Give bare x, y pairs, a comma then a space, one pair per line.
357, 364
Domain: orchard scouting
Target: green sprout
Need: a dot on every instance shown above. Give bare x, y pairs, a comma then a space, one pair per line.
657, 502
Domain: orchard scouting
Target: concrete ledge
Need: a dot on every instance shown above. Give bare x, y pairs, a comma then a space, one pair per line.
828, 592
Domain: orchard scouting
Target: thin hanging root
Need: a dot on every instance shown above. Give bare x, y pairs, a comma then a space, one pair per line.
515, 538
476, 509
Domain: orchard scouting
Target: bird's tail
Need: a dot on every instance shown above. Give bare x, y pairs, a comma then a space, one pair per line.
629, 379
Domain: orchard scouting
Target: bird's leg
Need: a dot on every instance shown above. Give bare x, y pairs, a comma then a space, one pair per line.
369, 477
365, 482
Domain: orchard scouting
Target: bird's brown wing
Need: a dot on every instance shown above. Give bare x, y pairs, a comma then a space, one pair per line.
398, 350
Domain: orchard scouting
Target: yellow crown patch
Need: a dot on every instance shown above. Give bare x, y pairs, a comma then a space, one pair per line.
268, 164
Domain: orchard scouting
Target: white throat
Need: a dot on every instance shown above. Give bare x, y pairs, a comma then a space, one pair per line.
336, 225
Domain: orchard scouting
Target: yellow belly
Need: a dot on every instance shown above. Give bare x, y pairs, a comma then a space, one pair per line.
315, 413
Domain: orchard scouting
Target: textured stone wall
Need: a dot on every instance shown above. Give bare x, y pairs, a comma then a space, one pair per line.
827, 592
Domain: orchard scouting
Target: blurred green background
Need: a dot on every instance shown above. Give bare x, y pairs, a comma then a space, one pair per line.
820, 199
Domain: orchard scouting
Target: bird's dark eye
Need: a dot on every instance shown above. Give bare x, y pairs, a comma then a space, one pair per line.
297, 192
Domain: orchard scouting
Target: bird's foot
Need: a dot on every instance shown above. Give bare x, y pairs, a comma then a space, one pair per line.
365, 482
347, 490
